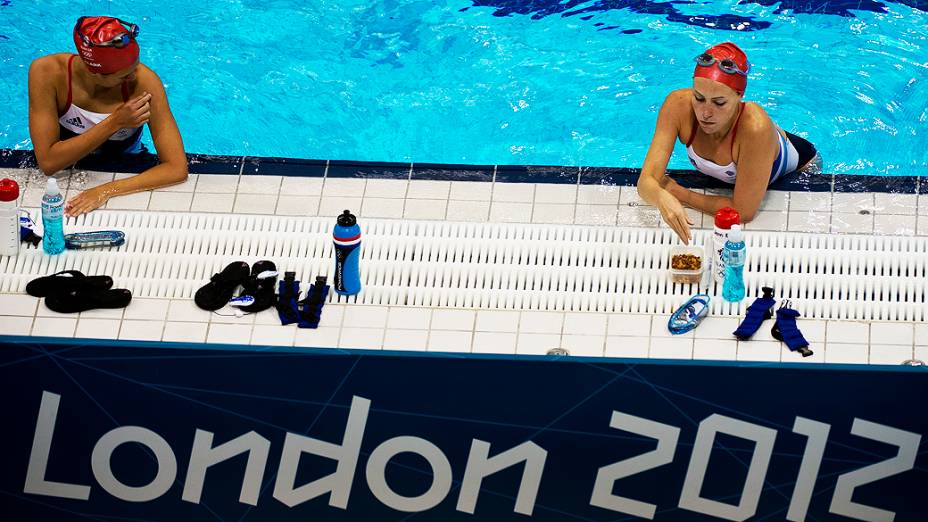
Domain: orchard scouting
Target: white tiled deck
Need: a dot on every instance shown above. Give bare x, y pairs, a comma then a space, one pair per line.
486, 331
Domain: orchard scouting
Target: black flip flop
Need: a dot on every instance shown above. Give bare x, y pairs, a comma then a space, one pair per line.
66, 281
215, 294
86, 298
262, 289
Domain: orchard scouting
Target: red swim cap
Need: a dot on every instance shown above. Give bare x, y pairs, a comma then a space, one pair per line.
107, 59
725, 51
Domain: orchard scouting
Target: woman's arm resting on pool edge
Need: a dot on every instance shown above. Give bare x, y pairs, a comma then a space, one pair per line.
172, 161
652, 182
755, 159
52, 153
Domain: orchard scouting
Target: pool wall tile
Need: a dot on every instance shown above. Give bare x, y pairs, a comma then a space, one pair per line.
608, 176
694, 180
922, 185
805, 182
896, 184
890, 184
452, 172
368, 169
205, 164
537, 174
17, 159
126, 163
307, 168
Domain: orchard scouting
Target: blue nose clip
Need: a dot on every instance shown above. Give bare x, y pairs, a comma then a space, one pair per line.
689, 315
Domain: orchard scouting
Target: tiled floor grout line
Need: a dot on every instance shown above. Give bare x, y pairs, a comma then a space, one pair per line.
341, 326
383, 331
473, 332
428, 330
518, 330
122, 322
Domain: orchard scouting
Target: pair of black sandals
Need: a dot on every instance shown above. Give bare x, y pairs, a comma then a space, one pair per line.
70, 291
258, 283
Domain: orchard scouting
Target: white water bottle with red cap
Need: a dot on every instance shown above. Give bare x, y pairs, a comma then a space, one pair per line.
724, 219
9, 218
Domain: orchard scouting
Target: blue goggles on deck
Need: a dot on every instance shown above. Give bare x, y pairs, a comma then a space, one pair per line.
727, 66
119, 41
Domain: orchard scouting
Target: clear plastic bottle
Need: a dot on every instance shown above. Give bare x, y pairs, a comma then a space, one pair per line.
52, 218
724, 219
733, 289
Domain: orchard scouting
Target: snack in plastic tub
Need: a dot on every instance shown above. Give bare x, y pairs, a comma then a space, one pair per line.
687, 264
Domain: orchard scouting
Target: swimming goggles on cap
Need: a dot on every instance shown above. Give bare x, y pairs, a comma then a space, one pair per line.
119, 41
728, 66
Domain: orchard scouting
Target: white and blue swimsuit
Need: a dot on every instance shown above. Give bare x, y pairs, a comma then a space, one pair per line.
74, 120
788, 159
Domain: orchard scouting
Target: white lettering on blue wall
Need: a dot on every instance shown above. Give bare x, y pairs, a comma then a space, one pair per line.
203, 455
346, 455
479, 466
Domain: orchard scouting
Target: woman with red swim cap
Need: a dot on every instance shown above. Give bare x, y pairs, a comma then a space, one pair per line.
726, 138
97, 105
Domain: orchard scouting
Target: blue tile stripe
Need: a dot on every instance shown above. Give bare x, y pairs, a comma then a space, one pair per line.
284, 167
453, 172
621, 176
367, 169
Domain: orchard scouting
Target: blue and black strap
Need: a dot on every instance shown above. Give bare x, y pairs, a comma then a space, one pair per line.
785, 330
288, 293
311, 309
759, 311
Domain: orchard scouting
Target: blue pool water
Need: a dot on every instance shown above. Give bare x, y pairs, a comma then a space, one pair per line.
500, 82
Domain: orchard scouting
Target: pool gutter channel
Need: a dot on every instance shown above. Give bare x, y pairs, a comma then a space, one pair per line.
498, 266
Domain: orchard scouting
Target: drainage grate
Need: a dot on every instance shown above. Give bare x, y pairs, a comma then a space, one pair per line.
507, 266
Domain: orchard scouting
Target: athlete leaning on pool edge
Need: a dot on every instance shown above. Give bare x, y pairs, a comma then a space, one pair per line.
97, 105
726, 138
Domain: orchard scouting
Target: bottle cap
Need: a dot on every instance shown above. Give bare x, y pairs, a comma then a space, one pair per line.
51, 188
9, 190
726, 217
736, 236
347, 219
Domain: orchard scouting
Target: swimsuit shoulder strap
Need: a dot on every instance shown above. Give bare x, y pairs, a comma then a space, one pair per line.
692, 132
67, 104
734, 132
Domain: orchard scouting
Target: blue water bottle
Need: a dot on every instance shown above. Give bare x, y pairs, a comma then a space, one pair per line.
733, 289
52, 217
347, 238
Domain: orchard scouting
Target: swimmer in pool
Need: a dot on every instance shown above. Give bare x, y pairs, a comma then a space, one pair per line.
726, 138
97, 105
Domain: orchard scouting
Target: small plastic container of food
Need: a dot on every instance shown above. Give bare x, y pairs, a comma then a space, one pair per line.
687, 264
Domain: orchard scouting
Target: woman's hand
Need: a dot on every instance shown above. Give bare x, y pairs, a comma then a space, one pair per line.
133, 113
87, 200
675, 215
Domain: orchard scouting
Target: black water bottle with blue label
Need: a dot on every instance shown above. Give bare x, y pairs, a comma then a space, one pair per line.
347, 239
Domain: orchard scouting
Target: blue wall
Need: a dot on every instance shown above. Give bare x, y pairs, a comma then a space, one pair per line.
554, 412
